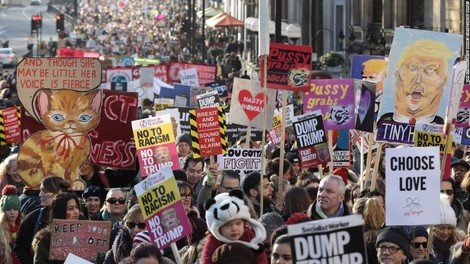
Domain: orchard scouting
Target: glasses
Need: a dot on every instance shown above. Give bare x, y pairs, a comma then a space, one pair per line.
186, 196
113, 200
132, 225
418, 244
392, 250
448, 192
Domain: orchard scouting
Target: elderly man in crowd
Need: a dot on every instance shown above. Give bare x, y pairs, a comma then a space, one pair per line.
392, 246
330, 199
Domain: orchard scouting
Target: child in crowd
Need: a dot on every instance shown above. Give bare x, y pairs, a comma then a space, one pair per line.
10, 221
229, 221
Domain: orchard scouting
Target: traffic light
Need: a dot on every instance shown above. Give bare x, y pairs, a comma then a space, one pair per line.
59, 23
36, 23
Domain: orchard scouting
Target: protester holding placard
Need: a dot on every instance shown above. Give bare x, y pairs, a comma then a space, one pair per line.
418, 242
10, 221
64, 206
39, 218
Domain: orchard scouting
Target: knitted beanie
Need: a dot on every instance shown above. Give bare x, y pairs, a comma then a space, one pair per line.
226, 207
9, 199
394, 235
185, 137
447, 213
343, 173
95, 191
142, 237
271, 221
292, 157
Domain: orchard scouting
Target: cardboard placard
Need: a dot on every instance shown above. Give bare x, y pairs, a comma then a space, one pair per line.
208, 131
335, 99
210, 99
83, 238
155, 144
189, 77
206, 73
288, 67
162, 209
243, 161
332, 240
413, 186
10, 131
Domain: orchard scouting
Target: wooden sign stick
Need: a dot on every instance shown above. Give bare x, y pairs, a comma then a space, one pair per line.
330, 149
263, 137
376, 167
366, 175
280, 185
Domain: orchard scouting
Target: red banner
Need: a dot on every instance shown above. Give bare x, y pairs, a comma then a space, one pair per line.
288, 67
112, 140
206, 73
11, 125
161, 72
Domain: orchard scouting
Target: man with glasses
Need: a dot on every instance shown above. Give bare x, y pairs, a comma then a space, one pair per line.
392, 246
229, 180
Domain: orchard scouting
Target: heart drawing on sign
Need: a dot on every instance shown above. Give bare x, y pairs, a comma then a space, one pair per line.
364, 105
252, 105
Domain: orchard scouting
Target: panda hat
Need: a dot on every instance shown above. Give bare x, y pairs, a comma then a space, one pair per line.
229, 206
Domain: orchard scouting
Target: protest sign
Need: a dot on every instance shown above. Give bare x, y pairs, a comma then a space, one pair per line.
463, 114
32, 74
332, 240
109, 149
162, 209
288, 67
180, 93
146, 76
364, 105
406, 105
311, 139
210, 99
155, 144
275, 133
234, 131
119, 78
243, 161
175, 119
413, 185
126, 61
189, 77
208, 131
160, 104
83, 238
335, 99
220, 87
206, 73
10, 130
341, 153
195, 92
248, 104
74, 259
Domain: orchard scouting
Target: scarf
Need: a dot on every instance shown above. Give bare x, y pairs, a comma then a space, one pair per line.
338, 213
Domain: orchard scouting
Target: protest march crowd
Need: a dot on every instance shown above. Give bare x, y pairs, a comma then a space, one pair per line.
195, 209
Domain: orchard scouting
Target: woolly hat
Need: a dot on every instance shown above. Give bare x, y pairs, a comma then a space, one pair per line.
292, 157
343, 173
416, 231
447, 213
198, 227
233, 253
142, 237
250, 181
95, 191
226, 207
9, 199
394, 235
185, 137
271, 221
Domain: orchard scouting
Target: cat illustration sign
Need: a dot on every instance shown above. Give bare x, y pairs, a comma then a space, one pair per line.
32, 74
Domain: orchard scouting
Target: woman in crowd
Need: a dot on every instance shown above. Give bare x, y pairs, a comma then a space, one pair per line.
93, 197
10, 221
146, 253
448, 186
446, 234
296, 200
186, 193
193, 251
282, 252
38, 219
9, 174
115, 206
64, 206
132, 223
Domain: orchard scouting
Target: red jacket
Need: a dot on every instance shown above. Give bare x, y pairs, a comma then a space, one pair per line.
212, 244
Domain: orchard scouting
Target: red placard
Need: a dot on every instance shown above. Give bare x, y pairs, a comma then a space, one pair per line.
288, 67
208, 129
11, 125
